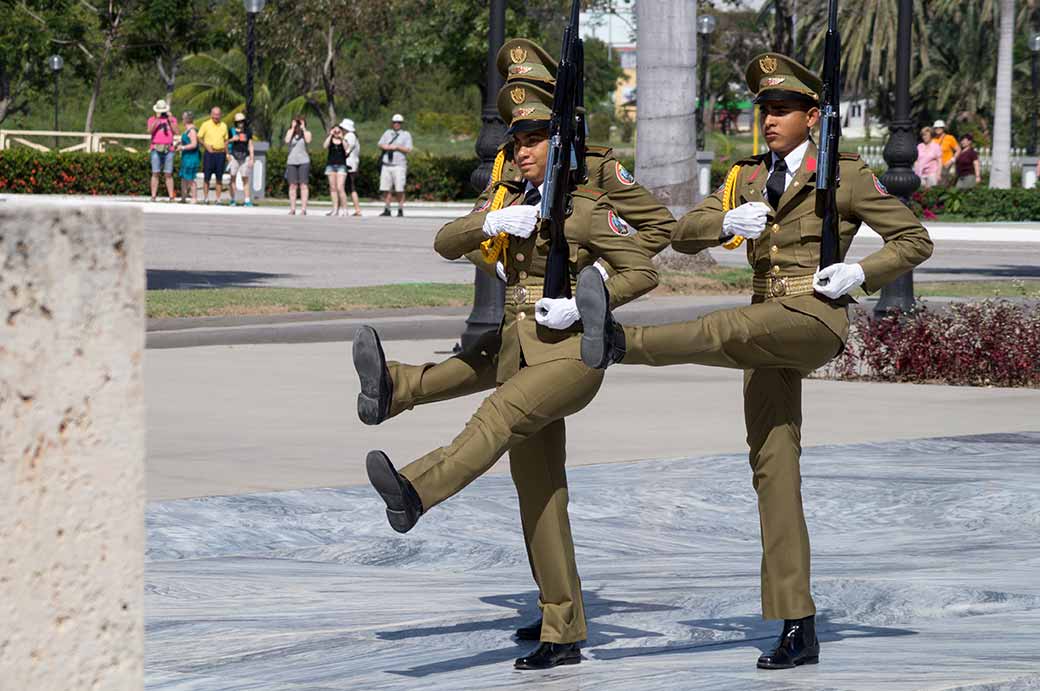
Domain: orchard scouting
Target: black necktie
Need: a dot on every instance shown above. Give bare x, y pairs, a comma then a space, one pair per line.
777, 182
533, 197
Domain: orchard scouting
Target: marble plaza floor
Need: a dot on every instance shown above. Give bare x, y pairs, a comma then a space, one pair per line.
926, 574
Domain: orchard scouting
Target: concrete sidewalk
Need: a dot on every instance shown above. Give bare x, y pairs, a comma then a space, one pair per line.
240, 419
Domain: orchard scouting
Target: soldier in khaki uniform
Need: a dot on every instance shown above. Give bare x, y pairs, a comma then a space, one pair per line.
401, 386
540, 376
797, 321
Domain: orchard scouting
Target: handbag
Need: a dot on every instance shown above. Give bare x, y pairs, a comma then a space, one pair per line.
162, 148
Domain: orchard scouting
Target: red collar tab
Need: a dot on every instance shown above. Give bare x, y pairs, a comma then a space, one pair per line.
810, 164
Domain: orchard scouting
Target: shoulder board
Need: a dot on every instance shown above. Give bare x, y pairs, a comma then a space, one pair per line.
847, 156
752, 160
598, 151
586, 192
515, 186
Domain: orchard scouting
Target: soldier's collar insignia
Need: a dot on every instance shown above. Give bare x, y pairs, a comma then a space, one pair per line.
519, 95
773, 81
810, 164
518, 55
768, 64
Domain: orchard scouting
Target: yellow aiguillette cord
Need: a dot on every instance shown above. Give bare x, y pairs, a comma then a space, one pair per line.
495, 247
729, 200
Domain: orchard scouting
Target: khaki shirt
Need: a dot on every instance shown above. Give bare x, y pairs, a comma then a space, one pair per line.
791, 244
593, 232
652, 221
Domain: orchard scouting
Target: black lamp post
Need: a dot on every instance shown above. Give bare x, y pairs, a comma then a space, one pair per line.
705, 27
489, 296
900, 154
1034, 47
56, 63
253, 7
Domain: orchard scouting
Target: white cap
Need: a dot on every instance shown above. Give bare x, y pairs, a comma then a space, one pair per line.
939, 123
397, 118
347, 124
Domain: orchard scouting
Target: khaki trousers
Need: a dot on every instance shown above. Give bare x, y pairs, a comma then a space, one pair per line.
524, 416
776, 347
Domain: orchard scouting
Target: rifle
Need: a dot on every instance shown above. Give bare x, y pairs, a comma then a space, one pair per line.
827, 178
566, 160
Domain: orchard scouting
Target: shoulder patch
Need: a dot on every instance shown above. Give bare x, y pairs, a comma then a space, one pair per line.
623, 176
880, 186
482, 206
618, 226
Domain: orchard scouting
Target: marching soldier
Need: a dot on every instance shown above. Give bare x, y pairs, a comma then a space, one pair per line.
540, 376
389, 388
798, 319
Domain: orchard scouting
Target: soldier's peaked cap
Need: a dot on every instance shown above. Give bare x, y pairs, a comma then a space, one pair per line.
524, 107
776, 77
523, 59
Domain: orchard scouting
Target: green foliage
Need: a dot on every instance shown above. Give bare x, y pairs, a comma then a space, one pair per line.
979, 203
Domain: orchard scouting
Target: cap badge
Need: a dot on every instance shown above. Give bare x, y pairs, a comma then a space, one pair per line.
519, 95
518, 55
768, 64
520, 69
773, 81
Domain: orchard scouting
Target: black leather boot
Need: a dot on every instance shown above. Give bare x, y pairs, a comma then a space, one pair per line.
403, 506
548, 655
602, 340
798, 645
377, 389
531, 632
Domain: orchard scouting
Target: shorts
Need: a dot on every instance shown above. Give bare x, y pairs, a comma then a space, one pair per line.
298, 173
244, 167
162, 162
335, 169
392, 178
213, 164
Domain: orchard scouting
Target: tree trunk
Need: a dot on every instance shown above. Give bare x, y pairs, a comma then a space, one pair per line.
169, 77
666, 126
1000, 170
99, 75
328, 75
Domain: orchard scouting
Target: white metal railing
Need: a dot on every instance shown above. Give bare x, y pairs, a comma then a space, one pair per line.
872, 156
92, 142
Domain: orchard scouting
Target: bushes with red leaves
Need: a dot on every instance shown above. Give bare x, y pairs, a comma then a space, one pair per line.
994, 342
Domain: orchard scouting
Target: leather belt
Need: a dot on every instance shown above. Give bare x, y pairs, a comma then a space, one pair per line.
782, 286
523, 294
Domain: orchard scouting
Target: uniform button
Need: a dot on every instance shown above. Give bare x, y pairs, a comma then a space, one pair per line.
794, 184
776, 270
776, 227
523, 275
774, 249
519, 256
521, 316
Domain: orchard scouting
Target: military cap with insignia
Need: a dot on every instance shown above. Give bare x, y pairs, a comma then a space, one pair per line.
776, 77
525, 107
523, 59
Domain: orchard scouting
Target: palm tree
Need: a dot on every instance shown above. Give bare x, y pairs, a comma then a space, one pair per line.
275, 96
1000, 172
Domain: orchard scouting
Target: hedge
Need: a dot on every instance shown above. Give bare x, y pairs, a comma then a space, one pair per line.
979, 203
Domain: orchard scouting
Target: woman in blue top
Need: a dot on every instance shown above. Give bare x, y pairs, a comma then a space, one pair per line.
189, 158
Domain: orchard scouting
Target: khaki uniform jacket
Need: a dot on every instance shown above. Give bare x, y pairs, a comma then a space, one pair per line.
790, 246
593, 232
651, 220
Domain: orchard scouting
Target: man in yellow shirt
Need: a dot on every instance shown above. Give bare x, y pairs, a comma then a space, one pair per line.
950, 147
214, 138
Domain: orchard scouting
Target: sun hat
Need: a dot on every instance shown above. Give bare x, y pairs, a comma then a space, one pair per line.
347, 124
939, 123
161, 106
397, 118
240, 117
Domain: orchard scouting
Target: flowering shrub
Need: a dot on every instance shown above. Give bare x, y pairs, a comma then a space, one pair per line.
978, 204
995, 342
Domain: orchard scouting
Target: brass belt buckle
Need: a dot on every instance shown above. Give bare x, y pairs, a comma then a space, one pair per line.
778, 287
519, 295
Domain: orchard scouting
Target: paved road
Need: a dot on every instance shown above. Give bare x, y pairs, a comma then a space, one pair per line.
228, 249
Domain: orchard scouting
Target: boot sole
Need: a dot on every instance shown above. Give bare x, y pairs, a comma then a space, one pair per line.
370, 364
807, 661
592, 302
384, 479
564, 661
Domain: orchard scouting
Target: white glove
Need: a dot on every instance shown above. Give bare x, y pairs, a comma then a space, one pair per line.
518, 220
838, 279
748, 220
556, 313
500, 269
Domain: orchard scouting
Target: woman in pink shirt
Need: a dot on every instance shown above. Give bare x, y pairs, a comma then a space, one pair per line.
929, 159
163, 128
